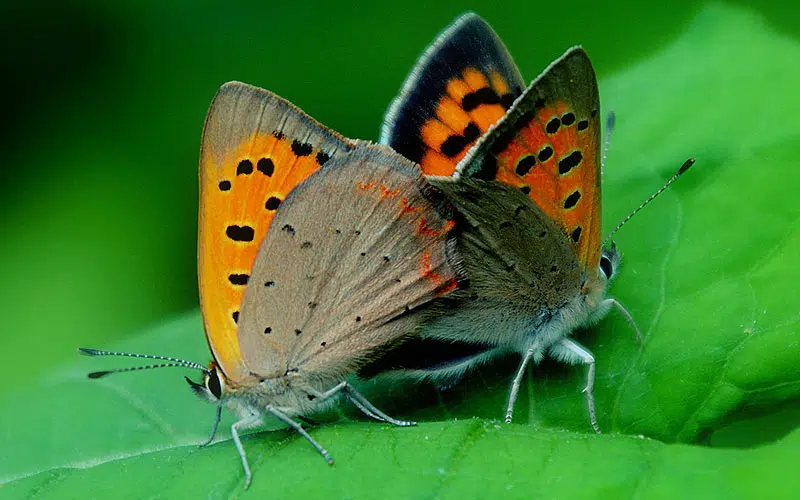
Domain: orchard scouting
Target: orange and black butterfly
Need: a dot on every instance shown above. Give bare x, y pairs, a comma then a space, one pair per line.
523, 169
315, 253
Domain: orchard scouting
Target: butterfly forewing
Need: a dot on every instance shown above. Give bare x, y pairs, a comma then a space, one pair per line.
548, 146
352, 255
256, 148
461, 86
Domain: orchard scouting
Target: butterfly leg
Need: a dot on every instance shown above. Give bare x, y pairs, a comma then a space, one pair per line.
515, 385
569, 351
363, 404
244, 423
299, 428
608, 303
213, 428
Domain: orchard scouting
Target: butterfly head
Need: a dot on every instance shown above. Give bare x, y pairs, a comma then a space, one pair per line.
595, 285
216, 387
213, 387
609, 262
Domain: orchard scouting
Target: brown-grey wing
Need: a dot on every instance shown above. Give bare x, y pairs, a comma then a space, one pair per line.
511, 250
256, 148
353, 254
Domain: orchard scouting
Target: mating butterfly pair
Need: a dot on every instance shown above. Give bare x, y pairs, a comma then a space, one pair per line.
320, 257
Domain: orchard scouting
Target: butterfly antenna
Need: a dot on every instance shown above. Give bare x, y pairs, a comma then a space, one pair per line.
686, 166
172, 362
611, 119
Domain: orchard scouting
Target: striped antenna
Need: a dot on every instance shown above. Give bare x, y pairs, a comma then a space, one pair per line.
686, 165
172, 362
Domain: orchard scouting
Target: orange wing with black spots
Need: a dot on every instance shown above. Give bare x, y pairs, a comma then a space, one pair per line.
462, 85
256, 148
548, 145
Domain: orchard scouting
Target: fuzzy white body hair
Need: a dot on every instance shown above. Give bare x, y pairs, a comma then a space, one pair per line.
292, 395
502, 325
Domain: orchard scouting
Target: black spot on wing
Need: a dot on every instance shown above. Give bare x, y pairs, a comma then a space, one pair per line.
238, 279
572, 199
266, 166
322, 158
553, 125
245, 167
481, 96
272, 203
301, 148
471, 132
545, 153
569, 162
240, 233
576, 234
524, 165
453, 145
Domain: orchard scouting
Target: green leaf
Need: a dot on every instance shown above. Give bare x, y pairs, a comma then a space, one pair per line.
709, 274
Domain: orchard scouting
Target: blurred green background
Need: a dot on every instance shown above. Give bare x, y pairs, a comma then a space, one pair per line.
105, 103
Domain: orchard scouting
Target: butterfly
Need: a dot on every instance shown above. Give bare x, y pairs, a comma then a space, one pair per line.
523, 167
315, 254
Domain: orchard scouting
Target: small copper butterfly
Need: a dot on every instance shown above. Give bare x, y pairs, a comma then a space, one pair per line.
523, 167
315, 253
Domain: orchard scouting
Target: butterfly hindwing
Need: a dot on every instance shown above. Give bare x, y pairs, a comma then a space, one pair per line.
463, 83
513, 252
256, 148
332, 286
548, 146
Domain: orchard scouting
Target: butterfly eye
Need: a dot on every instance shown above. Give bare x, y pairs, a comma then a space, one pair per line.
213, 384
606, 266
